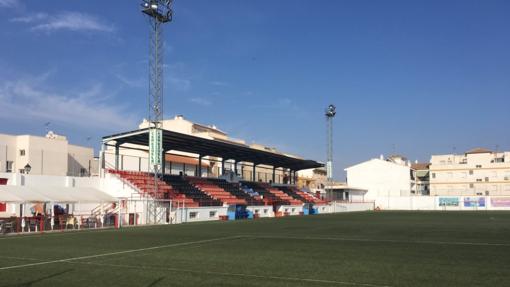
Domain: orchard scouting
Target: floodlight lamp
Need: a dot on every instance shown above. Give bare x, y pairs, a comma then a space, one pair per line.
27, 168
331, 111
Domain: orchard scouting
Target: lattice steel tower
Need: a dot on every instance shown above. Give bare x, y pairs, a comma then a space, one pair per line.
159, 12
330, 114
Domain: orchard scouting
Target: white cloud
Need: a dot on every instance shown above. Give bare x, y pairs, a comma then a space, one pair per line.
71, 21
29, 100
8, 3
200, 101
30, 18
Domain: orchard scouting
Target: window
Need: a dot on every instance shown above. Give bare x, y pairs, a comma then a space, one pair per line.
499, 159
478, 166
471, 185
265, 211
478, 179
293, 210
471, 172
22, 152
3, 207
256, 211
83, 172
8, 166
193, 215
22, 171
433, 175
486, 179
212, 213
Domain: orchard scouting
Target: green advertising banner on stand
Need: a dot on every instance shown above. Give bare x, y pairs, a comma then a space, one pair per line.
155, 147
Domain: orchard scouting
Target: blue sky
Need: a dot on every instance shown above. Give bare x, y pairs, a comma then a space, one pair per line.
412, 77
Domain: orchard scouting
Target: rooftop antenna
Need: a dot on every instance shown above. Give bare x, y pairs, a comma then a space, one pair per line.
159, 12
330, 114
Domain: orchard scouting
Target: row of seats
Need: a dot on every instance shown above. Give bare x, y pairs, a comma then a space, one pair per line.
185, 187
271, 196
300, 195
236, 190
215, 191
146, 184
196, 191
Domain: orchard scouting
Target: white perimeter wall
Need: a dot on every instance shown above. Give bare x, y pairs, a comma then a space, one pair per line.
200, 214
291, 209
438, 203
262, 211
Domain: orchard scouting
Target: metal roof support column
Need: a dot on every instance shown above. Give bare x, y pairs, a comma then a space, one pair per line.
254, 172
199, 165
116, 156
222, 166
274, 174
102, 159
163, 162
235, 166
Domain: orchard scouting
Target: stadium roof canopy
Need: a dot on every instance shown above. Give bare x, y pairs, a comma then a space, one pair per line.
217, 148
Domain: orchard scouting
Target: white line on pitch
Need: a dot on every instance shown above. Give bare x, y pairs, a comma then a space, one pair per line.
119, 252
379, 240
20, 258
270, 277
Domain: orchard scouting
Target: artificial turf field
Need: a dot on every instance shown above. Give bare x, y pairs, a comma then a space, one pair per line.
346, 249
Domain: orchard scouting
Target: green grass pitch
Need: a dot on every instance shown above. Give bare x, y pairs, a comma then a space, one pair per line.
347, 249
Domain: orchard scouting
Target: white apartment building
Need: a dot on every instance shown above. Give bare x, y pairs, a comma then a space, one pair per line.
381, 177
49, 155
421, 177
476, 172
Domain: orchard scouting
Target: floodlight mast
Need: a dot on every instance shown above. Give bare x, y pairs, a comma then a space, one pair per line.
330, 114
159, 12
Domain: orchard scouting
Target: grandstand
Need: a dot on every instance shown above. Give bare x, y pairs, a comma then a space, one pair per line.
225, 197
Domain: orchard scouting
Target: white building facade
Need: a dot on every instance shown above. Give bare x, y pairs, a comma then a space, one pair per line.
381, 177
50, 155
476, 172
